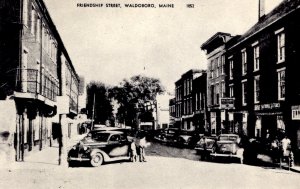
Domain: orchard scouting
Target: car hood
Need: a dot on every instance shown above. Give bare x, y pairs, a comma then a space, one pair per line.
185, 137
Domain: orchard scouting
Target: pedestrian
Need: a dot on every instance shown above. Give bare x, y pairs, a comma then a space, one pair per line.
205, 154
133, 151
275, 149
286, 148
142, 144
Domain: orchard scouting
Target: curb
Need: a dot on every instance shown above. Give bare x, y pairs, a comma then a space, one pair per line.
291, 169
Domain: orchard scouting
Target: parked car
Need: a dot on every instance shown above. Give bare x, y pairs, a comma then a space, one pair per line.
168, 136
188, 138
99, 147
227, 145
205, 146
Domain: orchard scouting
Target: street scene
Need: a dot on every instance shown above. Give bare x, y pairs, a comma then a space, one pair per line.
154, 95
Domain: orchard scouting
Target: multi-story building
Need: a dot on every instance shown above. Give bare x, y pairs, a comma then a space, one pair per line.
172, 112
35, 69
199, 102
185, 98
262, 73
178, 103
216, 78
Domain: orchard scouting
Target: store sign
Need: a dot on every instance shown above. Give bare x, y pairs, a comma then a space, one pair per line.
271, 106
296, 112
226, 103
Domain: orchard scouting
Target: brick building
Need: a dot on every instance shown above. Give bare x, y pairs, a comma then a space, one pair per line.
36, 71
187, 101
216, 78
261, 74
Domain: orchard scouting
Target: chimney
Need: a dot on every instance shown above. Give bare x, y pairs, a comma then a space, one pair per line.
261, 9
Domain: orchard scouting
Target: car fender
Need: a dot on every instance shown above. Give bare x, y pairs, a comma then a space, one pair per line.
105, 156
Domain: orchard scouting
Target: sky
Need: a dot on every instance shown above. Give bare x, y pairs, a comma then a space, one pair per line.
110, 44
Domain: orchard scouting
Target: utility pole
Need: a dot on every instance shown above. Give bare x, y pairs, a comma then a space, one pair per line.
93, 113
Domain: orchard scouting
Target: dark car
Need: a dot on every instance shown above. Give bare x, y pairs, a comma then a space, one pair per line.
99, 147
168, 136
228, 145
188, 138
205, 146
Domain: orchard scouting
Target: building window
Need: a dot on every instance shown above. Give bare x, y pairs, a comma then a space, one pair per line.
212, 94
32, 20
212, 69
230, 69
256, 89
191, 105
244, 62
231, 94
217, 93
244, 92
256, 58
280, 45
223, 89
222, 64
196, 101
217, 62
38, 29
187, 87
25, 12
191, 85
281, 84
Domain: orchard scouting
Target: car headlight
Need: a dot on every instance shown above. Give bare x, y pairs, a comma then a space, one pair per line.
85, 148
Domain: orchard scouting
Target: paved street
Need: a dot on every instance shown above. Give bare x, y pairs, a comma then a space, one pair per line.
157, 149
157, 172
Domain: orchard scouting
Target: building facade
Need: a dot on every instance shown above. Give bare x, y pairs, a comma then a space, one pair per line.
260, 74
188, 92
199, 102
32, 77
172, 112
216, 78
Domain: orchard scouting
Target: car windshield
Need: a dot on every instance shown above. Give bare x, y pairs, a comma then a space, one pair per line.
101, 137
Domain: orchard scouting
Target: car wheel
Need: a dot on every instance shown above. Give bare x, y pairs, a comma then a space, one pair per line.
96, 160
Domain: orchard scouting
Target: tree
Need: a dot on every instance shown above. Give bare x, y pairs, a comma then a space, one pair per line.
132, 94
103, 107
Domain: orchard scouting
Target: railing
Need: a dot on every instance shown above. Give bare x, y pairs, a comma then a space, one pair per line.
29, 81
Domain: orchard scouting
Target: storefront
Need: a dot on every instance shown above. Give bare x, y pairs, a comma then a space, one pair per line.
269, 117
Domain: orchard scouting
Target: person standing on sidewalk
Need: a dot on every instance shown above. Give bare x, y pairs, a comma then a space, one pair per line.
133, 151
142, 144
286, 148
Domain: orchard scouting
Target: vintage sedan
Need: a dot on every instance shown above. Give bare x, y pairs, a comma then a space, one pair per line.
205, 146
227, 145
99, 147
188, 138
167, 136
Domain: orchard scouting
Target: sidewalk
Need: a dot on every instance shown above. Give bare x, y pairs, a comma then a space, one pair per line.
47, 158
267, 160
